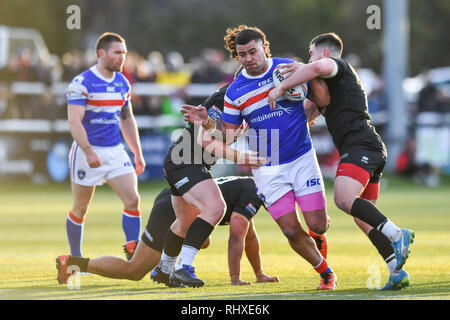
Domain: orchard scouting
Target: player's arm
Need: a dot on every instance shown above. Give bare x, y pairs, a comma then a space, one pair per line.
252, 251
238, 230
199, 116
319, 93
131, 135
75, 114
212, 143
300, 73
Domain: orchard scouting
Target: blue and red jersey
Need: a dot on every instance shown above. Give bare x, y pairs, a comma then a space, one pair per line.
282, 134
103, 99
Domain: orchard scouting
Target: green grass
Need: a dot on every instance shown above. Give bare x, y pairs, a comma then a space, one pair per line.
32, 235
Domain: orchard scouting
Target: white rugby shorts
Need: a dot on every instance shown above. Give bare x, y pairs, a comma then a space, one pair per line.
115, 162
302, 175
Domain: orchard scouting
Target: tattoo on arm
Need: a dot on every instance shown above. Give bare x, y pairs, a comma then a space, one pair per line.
125, 113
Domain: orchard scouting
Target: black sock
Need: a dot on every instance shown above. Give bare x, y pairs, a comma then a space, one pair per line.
81, 263
383, 245
197, 233
172, 244
367, 212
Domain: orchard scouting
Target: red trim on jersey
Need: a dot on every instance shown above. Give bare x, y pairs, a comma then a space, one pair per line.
353, 171
255, 99
132, 213
105, 103
228, 105
371, 191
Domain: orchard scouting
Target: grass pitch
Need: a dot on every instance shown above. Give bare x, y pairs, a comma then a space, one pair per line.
32, 235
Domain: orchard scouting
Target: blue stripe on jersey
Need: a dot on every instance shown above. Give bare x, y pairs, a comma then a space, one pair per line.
281, 134
103, 100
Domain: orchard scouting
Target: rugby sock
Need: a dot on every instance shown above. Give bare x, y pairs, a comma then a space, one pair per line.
81, 263
172, 248
384, 247
131, 224
74, 228
390, 230
323, 267
366, 211
196, 235
321, 242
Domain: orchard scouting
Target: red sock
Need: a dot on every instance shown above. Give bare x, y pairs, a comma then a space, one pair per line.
322, 267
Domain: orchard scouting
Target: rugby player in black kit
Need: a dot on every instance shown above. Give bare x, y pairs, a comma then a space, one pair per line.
361, 149
196, 198
242, 204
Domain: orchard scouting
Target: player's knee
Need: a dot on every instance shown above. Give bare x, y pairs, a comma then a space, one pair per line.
132, 201
293, 234
341, 203
134, 273
217, 210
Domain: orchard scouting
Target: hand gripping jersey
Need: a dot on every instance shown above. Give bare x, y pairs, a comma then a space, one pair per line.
282, 135
186, 146
103, 99
347, 115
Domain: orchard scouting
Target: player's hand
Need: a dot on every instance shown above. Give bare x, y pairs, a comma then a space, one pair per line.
92, 158
192, 114
261, 277
312, 111
139, 164
290, 68
252, 160
274, 94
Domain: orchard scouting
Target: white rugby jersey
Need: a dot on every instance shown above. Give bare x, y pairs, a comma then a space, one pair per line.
103, 99
282, 135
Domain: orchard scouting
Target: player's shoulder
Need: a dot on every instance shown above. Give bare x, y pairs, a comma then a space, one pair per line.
81, 78
121, 77
277, 61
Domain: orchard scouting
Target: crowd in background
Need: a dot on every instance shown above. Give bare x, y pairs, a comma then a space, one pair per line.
211, 66
43, 95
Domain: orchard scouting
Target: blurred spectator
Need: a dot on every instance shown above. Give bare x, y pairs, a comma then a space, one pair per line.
208, 69
72, 64
175, 74
432, 134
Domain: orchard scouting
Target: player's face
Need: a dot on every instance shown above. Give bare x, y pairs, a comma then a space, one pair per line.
253, 57
114, 57
316, 54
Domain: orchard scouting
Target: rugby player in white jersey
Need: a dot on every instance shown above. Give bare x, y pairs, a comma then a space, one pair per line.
293, 174
99, 110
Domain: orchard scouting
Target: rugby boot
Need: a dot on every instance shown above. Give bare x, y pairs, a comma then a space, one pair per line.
129, 248
185, 277
401, 247
61, 266
397, 282
328, 281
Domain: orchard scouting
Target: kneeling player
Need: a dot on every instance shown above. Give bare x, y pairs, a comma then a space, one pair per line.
242, 203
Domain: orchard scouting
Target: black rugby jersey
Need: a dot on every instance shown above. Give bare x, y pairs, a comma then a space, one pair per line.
187, 142
347, 116
239, 194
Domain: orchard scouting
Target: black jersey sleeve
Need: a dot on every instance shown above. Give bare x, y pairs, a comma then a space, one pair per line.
341, 67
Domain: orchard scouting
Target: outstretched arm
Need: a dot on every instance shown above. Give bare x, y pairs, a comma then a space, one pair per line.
252, 250
300, 73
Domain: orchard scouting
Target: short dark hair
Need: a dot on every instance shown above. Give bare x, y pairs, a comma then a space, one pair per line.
105, 40
331, 40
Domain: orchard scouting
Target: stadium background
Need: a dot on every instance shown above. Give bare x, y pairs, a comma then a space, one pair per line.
176, 56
